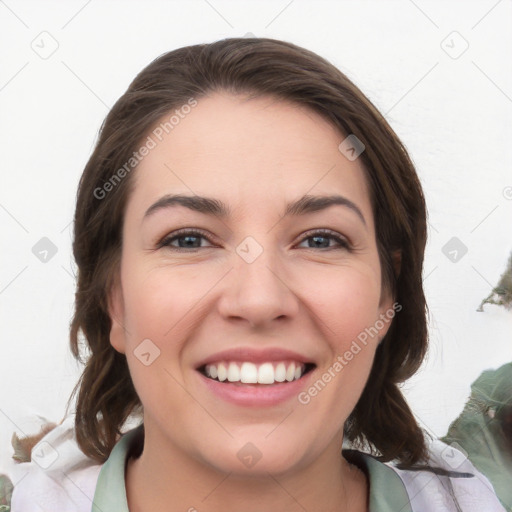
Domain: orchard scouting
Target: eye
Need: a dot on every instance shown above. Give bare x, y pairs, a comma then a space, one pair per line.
323, 236
191, 239
187, 239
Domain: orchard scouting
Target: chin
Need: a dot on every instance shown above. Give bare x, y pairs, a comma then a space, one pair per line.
254, 458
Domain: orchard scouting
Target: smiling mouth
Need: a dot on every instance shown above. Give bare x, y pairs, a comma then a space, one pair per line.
246, 373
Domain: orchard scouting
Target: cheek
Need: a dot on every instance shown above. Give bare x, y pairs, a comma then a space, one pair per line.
346, 302
158, 300
163, 302
346, 311
160, 305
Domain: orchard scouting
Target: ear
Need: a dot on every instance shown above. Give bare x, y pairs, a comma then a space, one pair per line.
116, 313
388, 307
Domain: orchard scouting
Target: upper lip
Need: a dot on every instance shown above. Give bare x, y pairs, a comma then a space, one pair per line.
254, 356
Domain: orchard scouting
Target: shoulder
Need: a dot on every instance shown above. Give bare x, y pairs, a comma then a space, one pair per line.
461, 487
448, 483
58, 477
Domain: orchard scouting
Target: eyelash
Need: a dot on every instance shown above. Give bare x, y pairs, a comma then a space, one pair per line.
325, 233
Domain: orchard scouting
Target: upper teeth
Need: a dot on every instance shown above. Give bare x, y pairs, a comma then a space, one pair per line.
250, 373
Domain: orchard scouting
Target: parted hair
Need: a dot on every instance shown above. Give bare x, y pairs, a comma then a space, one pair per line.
381, 422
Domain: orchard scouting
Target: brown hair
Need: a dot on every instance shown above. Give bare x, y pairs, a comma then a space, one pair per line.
381, 421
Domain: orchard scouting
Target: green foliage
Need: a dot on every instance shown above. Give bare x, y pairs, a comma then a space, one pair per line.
502, 293
6, 488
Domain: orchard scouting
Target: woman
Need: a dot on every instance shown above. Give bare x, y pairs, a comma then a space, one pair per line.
249, 235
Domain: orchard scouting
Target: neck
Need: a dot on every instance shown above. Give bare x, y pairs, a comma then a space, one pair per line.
330, 483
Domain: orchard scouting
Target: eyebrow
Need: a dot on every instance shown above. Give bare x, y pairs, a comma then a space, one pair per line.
209, 206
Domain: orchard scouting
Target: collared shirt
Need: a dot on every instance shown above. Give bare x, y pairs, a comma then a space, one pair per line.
387, 491
61, 477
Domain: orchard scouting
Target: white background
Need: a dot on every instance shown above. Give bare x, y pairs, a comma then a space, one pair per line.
453, 114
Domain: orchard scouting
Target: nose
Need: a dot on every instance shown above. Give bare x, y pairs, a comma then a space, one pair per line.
258, 292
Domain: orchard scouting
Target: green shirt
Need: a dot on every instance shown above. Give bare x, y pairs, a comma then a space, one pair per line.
436, 487
387, 491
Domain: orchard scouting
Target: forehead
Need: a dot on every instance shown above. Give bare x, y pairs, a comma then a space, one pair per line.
247, 152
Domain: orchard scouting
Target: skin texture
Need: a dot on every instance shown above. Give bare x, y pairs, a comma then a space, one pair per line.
256, 155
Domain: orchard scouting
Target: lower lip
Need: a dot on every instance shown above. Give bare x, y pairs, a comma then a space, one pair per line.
256, 395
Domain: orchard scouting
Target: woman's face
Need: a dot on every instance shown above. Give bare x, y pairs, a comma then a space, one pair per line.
256, 280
